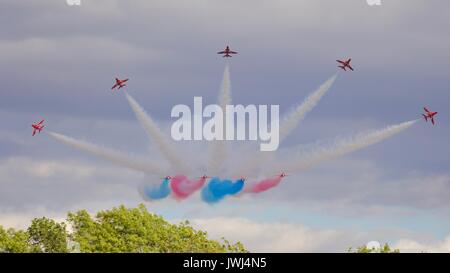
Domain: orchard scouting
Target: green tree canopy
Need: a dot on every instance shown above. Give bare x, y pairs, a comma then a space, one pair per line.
120, 229
46, 235
13, 241
364, 249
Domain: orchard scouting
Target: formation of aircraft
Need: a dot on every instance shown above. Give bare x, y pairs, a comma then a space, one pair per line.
429, 115
227, 52
119, 83
37, 127
345, 64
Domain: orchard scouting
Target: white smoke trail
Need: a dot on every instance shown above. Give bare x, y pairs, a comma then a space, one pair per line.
292, 120
218, 149
341, 147
288, 124
155, 133
225, 90
110, 155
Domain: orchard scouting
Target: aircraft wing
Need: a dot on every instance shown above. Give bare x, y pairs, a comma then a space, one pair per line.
232, 52
40, 122
115, 85
341, 62
432, 120
221, 52
426, 110
351, 68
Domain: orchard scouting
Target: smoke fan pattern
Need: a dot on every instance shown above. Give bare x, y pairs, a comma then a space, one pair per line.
216, 189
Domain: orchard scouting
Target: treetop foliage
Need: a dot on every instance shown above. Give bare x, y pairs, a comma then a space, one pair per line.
119, 229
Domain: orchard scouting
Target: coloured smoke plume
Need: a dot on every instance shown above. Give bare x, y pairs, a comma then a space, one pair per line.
155, 133
218, 148
182, 187
110, 155
155, 192
341, 147
217, 189
289, 123
263, 185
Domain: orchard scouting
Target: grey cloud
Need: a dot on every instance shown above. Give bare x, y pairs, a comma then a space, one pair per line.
58, 185
353, 186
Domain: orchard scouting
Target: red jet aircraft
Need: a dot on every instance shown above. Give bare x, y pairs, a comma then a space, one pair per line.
119, 83
345, 64
37, 127
283, 175
429, 115
227, 52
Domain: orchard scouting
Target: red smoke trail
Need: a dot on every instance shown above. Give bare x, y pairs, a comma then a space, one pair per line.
264, 185
182, 187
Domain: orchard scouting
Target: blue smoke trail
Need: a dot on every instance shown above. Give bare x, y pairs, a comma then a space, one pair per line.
157, 192
217, 189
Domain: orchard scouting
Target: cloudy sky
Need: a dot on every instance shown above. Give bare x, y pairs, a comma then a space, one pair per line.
58, 62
